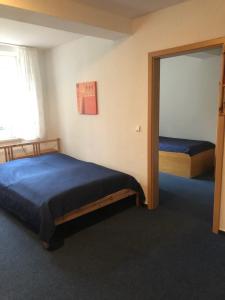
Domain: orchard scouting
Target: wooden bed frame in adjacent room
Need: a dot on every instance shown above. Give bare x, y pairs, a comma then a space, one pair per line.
182, 164
40, 147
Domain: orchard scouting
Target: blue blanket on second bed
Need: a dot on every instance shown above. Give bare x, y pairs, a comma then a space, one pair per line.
40, 189
190, 147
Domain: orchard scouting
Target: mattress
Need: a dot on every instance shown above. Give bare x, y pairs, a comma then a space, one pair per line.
40, 189
190, 147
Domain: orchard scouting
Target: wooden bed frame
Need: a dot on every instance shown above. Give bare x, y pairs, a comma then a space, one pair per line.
100, 203
182, 164
29, 149
35, 148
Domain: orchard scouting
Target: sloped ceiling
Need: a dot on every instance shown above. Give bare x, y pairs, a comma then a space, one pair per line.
130, 8
19, 33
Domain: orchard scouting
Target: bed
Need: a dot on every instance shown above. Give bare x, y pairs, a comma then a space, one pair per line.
47, 190
183, 157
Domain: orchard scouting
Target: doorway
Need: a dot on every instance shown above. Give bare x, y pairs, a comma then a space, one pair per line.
153, 123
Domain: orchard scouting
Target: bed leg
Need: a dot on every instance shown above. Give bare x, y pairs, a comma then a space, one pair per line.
138, 204
53, 244
46, 245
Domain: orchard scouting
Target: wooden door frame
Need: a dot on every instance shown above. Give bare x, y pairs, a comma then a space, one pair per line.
153, 124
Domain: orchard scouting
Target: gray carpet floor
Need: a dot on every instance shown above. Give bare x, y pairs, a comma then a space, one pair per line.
122, 252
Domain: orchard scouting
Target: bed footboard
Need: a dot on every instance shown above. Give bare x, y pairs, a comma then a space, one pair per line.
112, 198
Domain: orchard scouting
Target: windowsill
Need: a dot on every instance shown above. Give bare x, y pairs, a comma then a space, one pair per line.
9, 141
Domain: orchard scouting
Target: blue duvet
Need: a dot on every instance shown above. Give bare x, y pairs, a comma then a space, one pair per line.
190, 147
40, 189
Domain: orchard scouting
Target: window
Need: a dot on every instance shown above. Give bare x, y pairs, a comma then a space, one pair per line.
20, 94
8, 87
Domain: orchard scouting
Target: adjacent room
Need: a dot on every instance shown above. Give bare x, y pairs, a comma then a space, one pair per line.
84, 213
189, 100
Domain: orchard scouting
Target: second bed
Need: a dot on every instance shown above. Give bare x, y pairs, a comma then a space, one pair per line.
183, 157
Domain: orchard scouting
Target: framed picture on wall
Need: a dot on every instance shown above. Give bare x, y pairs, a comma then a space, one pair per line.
87, 98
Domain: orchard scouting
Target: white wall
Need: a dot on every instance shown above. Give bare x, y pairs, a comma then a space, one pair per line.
107, 137
189, 96
121, 69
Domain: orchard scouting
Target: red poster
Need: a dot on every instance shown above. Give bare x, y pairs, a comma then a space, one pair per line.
87, 98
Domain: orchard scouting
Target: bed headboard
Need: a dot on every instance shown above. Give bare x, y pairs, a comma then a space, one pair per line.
29, 149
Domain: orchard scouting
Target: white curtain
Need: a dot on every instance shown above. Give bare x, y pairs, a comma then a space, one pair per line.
28, 110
